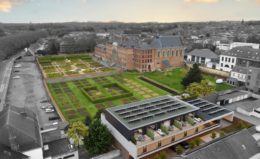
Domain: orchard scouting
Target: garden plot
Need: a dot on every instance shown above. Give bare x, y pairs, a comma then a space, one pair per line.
80, 98
69, 65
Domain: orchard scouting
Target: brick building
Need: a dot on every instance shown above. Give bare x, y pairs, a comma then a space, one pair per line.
132, 54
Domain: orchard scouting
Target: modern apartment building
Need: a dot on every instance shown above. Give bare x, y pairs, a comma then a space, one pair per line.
133, 54
146, 127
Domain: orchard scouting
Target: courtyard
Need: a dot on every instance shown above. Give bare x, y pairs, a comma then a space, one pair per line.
80, 98
57, 66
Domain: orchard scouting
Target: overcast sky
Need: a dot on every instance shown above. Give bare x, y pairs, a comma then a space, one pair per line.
128, 10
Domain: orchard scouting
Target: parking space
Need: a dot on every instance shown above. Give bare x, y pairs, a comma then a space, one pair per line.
26, 89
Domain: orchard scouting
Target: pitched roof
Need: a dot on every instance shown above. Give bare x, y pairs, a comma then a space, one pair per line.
58, 147
244, 52
7, 153
160, 42
204, 53
19, 129
240, 145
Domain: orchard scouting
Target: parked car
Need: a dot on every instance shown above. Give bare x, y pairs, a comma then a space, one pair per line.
54, 118
49, 106
44, 101
185, 145
49, 110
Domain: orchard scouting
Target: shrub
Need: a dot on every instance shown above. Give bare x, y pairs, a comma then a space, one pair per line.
178, 124
192, 144
190, 120
179, 149
221, 133
197, 141
150, 134
164, 129
213, 135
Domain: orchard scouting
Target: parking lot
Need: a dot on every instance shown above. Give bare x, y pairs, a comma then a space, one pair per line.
26, 90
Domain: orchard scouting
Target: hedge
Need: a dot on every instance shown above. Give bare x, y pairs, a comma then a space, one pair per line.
108, 98
177, 124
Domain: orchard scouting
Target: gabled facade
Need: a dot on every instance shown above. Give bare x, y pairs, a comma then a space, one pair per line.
131, 54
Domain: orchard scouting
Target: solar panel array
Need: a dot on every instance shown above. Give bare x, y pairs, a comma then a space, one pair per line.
146, 111
208, 108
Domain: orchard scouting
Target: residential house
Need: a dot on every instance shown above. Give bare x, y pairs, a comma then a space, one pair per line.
204, 57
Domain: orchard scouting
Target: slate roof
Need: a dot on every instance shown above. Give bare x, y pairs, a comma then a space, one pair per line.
240, 69
19, 130
58, 147
240, 145
204, 53
7, 153
244, 52
160, 42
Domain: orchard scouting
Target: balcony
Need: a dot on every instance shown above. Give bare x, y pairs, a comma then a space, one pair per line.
176, 131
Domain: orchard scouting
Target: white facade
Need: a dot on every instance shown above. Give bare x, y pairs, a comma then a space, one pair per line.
35, 153
239, 76
227, 47
199, 60
239, 44
227, 63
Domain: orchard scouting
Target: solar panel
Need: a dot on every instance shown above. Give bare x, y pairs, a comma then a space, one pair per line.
216, 111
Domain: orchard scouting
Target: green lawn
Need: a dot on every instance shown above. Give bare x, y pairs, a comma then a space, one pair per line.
174, 77
75, 105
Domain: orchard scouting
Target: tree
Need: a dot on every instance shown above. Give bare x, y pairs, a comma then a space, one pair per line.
179, 149
99, 139
161, 155
194, 75
200, 89
88, 120
77, 131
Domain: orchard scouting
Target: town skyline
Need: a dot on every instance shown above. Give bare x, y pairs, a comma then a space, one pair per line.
24, 11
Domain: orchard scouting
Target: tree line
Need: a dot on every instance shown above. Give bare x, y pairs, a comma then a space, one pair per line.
10, 45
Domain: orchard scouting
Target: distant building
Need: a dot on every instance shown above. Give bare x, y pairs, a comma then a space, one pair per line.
230, 46
131, 53
243, 63
240, 145
146, 127
204, 57
57, 146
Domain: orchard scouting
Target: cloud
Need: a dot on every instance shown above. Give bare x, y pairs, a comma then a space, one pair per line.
6, 5
202, 1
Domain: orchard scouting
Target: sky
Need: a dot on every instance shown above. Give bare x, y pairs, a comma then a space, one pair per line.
41, 11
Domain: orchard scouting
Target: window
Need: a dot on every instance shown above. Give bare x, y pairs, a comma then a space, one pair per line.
233, 60
158, 53
221, 64
229, 59
249, 77
222, 59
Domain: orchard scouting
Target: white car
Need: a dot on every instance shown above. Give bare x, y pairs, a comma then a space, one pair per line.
47, 106
49, 110
160, 132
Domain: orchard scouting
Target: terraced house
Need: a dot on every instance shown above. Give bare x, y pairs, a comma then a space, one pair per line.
131, 53
146, 127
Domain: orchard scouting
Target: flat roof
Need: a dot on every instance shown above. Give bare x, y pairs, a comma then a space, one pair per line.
139, 114
208, 110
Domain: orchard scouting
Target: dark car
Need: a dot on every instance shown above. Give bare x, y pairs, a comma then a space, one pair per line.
185, 145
